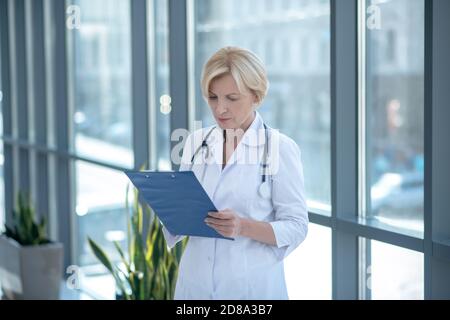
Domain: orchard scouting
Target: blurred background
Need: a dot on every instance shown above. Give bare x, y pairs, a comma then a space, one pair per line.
93, 87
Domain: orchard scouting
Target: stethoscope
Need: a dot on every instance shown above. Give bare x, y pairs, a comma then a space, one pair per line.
264, 188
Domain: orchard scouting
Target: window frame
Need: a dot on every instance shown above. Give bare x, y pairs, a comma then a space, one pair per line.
346, 95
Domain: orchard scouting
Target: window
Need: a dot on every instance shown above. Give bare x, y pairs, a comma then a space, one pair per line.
162, 99
270, 5
2, 184
101, 81
297, 103
100, 85
391, 46
395, 115
304, 50
100, 210
390, 94
393, 272
308, 269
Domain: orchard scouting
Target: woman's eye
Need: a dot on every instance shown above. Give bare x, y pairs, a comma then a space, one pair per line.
214, 98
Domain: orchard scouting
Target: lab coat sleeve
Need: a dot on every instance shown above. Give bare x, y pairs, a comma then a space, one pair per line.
288, 196
171, 239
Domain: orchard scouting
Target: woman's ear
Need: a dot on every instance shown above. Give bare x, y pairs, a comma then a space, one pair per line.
255, 101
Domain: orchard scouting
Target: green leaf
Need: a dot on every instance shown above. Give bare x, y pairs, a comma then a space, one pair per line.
101, 255
10, 233
122, 289
122, 256
151, 269
128, 215
103, 258
25, 230
34, 234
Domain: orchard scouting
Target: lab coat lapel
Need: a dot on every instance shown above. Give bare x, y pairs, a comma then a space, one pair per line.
246, 150
214, 165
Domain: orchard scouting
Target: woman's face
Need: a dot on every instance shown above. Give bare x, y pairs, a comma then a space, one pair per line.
231, 109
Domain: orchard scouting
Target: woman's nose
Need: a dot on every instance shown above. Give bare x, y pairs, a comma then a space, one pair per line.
221, 107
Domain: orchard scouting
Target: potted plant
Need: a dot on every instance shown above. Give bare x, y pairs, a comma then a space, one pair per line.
30, 264
149, 271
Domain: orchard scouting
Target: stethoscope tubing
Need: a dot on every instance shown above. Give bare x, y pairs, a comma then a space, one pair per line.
265, 155
264, 189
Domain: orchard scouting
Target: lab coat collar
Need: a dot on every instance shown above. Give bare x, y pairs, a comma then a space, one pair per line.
253, 137
249, 144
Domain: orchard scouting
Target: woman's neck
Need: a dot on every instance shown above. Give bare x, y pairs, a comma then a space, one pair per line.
239, 132
249, 122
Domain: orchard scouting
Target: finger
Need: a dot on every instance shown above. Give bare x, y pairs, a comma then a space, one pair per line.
219, 222
219, 227
216, 227
220, 215
223, 230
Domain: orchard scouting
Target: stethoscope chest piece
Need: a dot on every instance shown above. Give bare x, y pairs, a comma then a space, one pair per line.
264, 190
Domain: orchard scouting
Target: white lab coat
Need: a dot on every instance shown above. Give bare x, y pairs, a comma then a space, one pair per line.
243, 269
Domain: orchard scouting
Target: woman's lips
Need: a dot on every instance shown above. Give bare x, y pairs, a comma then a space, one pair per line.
224, 119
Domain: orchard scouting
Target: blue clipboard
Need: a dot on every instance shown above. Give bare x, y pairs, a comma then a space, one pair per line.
178, 199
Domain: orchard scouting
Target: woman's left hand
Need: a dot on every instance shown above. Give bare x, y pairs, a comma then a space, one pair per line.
225, 222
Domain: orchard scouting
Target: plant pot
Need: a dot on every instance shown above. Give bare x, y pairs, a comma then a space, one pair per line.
30, 272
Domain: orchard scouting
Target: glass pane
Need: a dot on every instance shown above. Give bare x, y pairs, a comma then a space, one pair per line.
101, 70
100, 210
163, 100
292, 38
395, 114
2, 158
2, 188
308, 268
394, 272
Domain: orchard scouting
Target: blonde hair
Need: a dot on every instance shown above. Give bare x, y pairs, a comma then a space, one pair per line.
243, 65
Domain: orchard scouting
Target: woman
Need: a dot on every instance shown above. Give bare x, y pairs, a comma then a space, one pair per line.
264, 211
